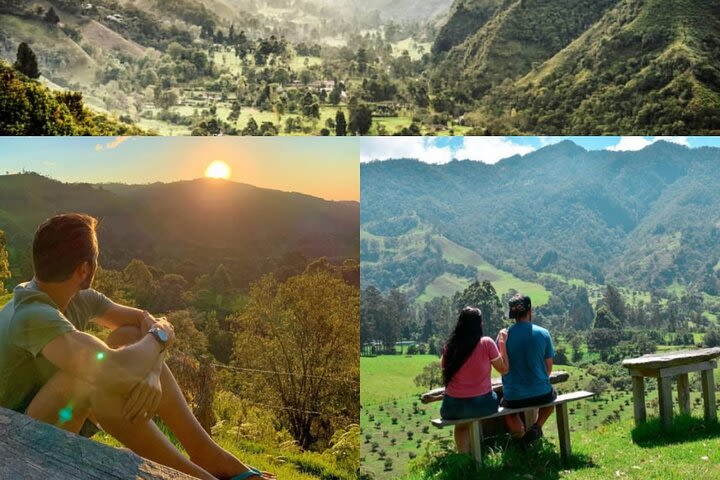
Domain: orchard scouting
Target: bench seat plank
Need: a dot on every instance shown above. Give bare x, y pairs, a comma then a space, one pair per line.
567, 397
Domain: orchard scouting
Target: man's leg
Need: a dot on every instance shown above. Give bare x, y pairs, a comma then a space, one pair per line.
515, 425
66, 402
543, 415
177, 415
143, 437
63, 401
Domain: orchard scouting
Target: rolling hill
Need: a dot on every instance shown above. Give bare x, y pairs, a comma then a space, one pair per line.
184, 227
586, 67
645, 219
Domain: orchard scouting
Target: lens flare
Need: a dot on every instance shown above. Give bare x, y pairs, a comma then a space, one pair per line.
65, 414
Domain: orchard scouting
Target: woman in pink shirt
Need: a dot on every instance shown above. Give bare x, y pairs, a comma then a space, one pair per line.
467, 363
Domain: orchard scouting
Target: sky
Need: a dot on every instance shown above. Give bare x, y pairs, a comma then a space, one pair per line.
323, 167
441, 150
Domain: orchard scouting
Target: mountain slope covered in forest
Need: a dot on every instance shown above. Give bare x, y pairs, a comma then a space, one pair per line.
646, 219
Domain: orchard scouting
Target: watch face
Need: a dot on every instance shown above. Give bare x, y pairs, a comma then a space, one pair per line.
162, 334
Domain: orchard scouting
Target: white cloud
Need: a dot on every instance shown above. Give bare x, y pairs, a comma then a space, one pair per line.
490, 149
428, 150
114, 143
632, 144
420, 148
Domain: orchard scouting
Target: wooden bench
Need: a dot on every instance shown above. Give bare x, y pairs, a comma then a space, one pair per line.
32, 450
561, 413
664, 367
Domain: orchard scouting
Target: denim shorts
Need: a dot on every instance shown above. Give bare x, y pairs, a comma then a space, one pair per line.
472, 407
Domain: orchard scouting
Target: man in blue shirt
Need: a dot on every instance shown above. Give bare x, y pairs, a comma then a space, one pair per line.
530, 353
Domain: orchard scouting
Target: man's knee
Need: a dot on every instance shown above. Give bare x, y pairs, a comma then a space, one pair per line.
65, 389
122, 336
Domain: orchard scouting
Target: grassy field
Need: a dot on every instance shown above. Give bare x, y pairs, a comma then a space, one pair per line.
396, 426
285, 464
690, 450
414, 49
413, 243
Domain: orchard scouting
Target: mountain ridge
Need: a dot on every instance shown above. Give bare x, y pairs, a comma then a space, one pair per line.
598, 215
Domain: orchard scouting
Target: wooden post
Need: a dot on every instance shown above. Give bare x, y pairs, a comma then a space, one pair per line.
708, 387
665, 398
563, 426
531, 417
683, 387
639, 399
476, 441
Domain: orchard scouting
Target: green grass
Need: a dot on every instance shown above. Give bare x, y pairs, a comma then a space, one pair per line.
690, 450
414, 49
377, 373
388, 392
448, 284
285, 464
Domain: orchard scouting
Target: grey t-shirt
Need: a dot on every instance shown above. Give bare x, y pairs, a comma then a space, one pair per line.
28, 322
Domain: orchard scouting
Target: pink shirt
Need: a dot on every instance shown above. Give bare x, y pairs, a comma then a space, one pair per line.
473, 378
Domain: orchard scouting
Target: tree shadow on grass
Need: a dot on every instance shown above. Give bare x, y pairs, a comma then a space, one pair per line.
501, 459
684, 429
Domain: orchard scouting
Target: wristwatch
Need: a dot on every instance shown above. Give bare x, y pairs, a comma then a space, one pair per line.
160, 335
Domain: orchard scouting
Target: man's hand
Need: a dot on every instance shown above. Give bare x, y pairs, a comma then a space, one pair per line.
147, 321
143, 401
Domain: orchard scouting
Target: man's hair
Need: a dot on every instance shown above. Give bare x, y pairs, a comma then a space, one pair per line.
61, 244
519, 305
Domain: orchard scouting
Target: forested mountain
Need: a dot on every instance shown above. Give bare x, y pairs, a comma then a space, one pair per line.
187, 227
585, 67
646, 219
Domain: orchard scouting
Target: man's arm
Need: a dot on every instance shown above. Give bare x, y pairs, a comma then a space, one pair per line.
90, 359
121, 316
548, 365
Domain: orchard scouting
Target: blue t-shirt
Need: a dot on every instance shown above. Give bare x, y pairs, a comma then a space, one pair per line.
528, 346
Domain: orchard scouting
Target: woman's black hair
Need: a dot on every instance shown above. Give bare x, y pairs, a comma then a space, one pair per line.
462, 343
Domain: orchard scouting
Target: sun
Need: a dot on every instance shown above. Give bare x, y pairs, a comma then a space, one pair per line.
218, 169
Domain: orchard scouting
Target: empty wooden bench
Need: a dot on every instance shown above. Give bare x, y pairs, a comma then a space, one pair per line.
561, 414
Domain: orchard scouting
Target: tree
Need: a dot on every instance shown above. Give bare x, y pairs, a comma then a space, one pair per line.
310, 106
167, 99
482, 296
251, 129
360, 118
140, 282
52, 17
430, 377
299, 331
26, 61
4, 262
340, 124
613, 299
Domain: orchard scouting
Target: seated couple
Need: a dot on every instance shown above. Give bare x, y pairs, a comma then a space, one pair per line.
523, 356
53, 371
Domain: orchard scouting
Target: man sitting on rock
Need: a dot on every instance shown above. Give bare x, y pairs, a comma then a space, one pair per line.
530, 355
53, 371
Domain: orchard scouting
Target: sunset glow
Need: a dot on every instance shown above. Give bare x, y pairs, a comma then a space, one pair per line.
218, 169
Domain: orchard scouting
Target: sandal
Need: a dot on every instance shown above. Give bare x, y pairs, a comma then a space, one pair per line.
249, 473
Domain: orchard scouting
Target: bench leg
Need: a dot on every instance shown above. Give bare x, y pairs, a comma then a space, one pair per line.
708, 387
476, 439
683, 387
639, 399
665, 398
563, 426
